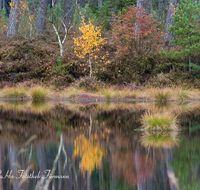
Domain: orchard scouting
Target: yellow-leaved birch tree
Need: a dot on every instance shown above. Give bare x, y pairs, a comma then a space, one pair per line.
89, 42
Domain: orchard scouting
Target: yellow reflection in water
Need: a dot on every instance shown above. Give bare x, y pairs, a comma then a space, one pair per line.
90, 152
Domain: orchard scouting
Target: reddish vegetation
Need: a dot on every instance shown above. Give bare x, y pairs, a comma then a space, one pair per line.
135, 33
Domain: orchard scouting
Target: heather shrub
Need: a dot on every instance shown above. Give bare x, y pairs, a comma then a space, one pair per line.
89, 83
174, 78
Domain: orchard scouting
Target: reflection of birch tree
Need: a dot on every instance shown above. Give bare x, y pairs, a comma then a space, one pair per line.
44, 183
1, 163
12, 158
89, 150
15, 163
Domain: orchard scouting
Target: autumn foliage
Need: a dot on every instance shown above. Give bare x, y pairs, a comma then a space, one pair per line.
89, 42
134, 33
90, 152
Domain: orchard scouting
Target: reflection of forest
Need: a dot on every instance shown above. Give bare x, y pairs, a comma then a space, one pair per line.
140, 167
126, 164
17, 126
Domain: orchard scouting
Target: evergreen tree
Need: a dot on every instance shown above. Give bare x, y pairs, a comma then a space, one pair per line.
186, 29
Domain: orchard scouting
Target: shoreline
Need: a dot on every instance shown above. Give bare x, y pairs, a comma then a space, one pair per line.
93, 100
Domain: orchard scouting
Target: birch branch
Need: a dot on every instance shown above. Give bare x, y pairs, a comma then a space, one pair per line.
78, 6
60, 43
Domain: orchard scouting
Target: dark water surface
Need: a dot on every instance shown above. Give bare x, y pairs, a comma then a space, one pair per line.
95, 147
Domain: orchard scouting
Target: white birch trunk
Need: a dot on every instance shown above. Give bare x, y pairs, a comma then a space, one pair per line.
59, 39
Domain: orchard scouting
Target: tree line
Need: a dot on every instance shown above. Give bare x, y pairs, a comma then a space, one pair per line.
143, 37
65, 9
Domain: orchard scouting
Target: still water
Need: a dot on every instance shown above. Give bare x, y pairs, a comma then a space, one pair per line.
72, 146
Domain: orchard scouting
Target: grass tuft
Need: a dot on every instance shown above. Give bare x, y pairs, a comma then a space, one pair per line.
39, 93
154, 121
161, 95
71, 92
107, 94
183, 94
14, 92
118, 93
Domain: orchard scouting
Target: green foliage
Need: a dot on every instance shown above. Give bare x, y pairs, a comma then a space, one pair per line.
186, 163
186, 26
186, 29
3, 20
59, 68
3, 17
101, 16
123, 4
59, 60
55, 14
59, 125
195, 67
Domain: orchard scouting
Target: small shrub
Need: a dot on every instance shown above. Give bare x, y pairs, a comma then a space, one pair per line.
59, 60
59, 69
164, 121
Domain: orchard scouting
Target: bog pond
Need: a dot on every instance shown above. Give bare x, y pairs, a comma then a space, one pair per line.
84, 146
